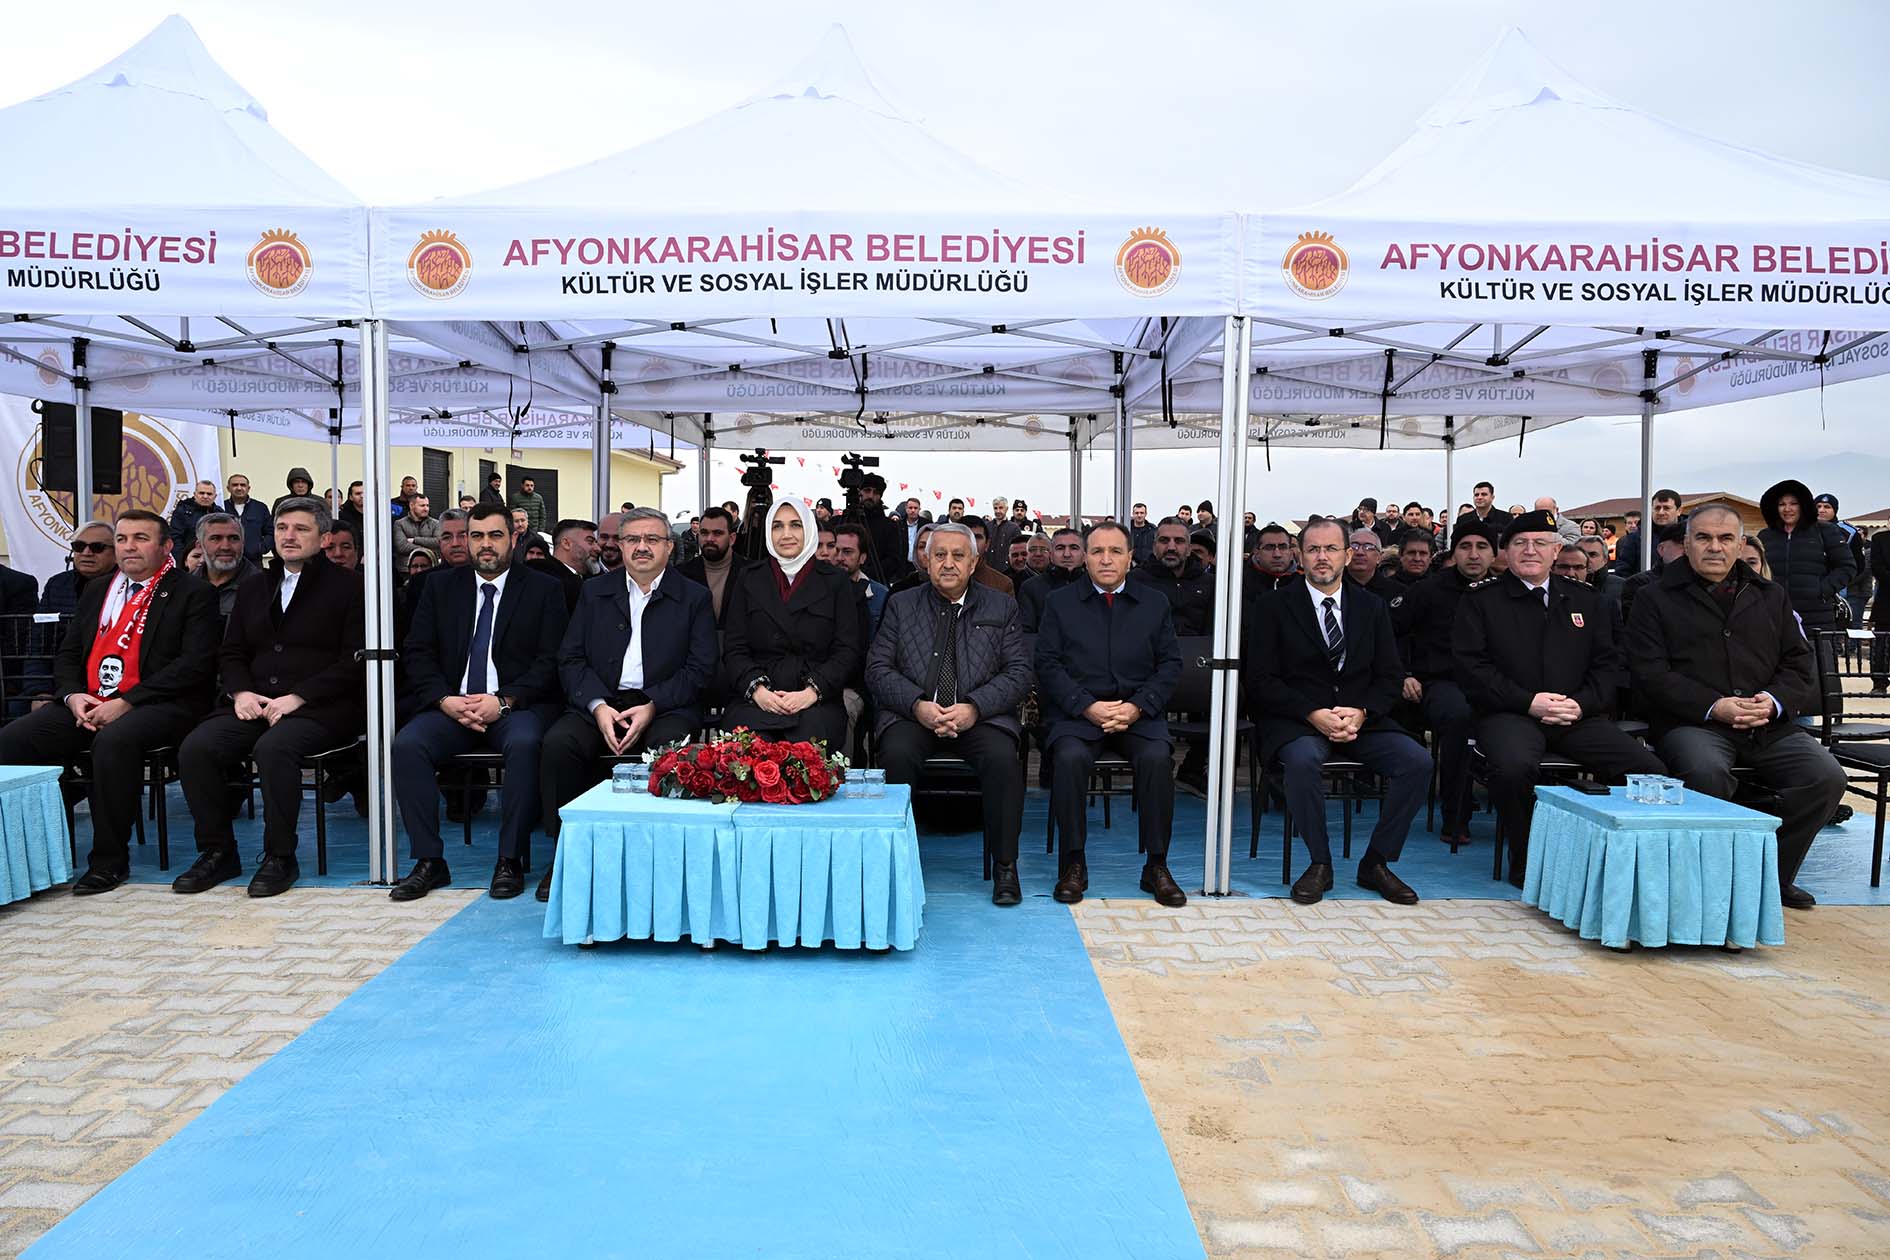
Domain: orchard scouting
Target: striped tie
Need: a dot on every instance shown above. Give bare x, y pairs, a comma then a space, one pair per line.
1335, 638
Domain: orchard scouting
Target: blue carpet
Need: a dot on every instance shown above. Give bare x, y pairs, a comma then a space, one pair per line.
494, 1094
1838, 870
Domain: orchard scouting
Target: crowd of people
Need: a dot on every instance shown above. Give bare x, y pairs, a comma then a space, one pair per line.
230, 632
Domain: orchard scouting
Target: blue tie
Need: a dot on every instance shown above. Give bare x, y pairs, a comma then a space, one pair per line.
481, 643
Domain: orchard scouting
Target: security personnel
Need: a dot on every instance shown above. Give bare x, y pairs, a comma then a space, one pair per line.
1424, 617
1536, 656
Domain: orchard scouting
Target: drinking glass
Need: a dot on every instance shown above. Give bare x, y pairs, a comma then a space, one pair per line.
623, 777
875, 783
1672, 791
1637, 790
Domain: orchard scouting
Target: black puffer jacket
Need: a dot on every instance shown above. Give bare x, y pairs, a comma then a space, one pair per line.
1813, 562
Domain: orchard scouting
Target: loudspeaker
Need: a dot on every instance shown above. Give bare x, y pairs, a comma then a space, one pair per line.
58, 453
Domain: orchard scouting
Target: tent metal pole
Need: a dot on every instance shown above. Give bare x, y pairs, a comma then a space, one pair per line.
1450, 472
1125, 487
377, 570
1650, 366
600, 439
1217, 856
1076, 476
82, 452
702, 466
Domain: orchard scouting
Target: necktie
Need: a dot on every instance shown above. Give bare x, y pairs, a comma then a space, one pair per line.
1335, 637
131, 592
947, 691
1545, 599
481, 643
1109, 598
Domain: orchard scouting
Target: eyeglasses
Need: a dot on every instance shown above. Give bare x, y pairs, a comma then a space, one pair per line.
96, 548
1366, 547
644, 540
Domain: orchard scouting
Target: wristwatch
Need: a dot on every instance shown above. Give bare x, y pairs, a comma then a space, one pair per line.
505, 705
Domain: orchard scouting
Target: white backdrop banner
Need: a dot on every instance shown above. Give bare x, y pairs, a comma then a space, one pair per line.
160, 459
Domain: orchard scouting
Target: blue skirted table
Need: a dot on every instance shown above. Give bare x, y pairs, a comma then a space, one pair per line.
35, 852
637, 866
1701, 873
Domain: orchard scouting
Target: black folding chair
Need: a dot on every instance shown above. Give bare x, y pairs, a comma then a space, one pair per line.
158, 771
1857, 730
1346, 781
1193, 701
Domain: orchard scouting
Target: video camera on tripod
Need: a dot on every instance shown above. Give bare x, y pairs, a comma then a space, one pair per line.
851, 479
755, 474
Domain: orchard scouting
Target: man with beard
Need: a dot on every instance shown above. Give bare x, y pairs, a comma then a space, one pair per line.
1322, 675
1424, 617
718, 561
220, 538
481, 673
416, 530
1484, 509
573, 543
290, 668
886, 561
1066, 566
1190, 593
609, 554
136, 669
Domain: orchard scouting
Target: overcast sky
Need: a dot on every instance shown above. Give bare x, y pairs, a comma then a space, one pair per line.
1229, 104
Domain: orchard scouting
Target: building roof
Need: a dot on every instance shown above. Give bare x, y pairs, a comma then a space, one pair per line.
1605, 508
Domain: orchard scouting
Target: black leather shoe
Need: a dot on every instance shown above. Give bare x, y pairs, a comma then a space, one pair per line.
544, 885
508, 879
1157, 880
1314, 884
99, 879
211, 868
1378, 877
426, 875
1195, 781
274, 877
1004, 887
1792, 895
1072, 883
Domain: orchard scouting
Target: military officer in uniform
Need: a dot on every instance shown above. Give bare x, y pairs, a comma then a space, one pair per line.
1424, 617
1537, 657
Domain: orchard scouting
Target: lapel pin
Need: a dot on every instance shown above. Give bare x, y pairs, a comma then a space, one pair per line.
1577, 619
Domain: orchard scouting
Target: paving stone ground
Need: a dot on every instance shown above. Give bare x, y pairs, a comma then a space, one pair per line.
123, 1016
1468, 1078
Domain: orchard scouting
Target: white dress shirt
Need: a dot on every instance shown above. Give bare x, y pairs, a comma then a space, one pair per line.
288, 588
1541, 591
630, 677
498, 597
116, 599
1338, 610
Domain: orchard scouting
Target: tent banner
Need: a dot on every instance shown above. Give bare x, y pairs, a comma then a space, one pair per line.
252, 380
158, 261
1789, 275
532, 263
161, 462
929, 434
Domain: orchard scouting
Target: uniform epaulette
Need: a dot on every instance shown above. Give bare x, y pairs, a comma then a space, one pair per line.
1483, 582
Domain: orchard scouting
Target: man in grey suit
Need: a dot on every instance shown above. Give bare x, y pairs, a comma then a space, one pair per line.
948, 670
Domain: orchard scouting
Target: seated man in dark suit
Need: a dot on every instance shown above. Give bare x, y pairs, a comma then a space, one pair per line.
1724, 670
135, 671
1322, 676
1537, 658
294, 688
948, 671
481, 673
1107, 663
635, 662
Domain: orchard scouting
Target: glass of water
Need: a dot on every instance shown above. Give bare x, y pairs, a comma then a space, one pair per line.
623, 776
875, 783
855, 784
1637, 790
1672, 791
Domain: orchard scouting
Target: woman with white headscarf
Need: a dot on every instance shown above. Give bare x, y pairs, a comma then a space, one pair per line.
794, 636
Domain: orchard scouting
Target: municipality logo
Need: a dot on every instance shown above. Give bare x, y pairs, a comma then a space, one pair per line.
1314, 266
1148, 264
439, 265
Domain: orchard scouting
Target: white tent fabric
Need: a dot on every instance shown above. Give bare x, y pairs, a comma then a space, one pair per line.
156, 185
1525, 249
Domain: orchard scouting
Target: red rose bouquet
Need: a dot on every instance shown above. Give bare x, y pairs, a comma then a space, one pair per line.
745, 767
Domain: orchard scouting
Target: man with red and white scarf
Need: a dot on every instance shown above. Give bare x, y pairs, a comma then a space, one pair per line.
136, 670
